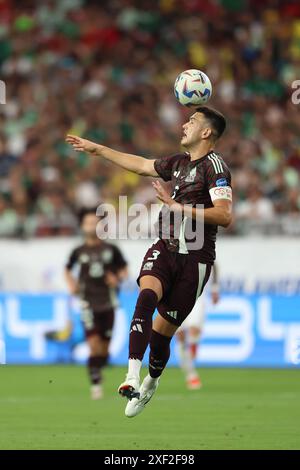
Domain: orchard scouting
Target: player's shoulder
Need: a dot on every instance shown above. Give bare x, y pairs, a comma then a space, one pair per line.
173, 157
181, 159
167, 165
176, 157
75, 254
182, 156
107, 245
216, 162
108, 252
77, 249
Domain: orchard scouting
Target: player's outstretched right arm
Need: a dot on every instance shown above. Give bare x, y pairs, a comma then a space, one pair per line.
134, 163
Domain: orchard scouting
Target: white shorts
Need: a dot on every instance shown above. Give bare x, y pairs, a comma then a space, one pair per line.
196, 317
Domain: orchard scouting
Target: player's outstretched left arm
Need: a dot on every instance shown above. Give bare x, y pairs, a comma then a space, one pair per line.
136, 164
220, 214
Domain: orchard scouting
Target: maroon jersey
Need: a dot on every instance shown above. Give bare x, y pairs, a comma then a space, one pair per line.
94, 262
193, 182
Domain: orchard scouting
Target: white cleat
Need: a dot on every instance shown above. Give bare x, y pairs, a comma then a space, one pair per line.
96, 392
130, 388
146, 392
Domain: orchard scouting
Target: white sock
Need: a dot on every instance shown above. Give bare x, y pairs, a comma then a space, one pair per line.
181, 354
185, 358
134, 368
190, 366
150, 381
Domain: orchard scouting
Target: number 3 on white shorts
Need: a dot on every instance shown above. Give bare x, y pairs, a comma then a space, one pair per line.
155, 254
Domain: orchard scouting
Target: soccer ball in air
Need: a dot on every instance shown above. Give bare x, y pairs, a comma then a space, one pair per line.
192, 88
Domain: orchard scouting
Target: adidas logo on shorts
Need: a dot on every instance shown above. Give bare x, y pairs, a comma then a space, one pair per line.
173, 314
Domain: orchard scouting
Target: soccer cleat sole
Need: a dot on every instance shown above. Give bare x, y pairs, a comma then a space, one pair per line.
128, 392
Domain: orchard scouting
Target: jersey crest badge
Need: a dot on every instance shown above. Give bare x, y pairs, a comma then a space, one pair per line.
191, 177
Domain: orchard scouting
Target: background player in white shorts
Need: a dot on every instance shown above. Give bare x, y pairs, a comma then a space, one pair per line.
189, 333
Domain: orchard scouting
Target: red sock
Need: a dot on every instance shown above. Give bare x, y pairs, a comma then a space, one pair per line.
193, 349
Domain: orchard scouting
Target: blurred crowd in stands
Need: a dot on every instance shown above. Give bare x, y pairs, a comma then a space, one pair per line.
105, 70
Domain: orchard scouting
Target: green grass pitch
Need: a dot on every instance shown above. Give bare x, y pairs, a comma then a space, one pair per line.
49, 408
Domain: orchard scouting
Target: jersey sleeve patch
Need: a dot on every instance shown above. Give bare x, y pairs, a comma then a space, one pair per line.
221, 192
222, 182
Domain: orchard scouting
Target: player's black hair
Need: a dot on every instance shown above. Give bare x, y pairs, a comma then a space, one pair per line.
215, 118
86, 211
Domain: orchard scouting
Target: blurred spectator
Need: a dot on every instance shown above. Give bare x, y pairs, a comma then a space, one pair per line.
255, 206
7, 159
8, 220
54, 215
105, 70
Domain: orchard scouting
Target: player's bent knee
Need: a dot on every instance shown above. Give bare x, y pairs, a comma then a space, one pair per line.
95, 345
151, 282
103, 348
194, 331
148, 297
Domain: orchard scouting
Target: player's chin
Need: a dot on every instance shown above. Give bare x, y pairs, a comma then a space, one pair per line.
184, 141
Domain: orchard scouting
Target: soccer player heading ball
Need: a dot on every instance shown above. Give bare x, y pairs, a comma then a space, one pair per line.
173, 273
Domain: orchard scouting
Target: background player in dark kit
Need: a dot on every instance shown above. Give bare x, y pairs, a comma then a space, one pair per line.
101, 269
173, 276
